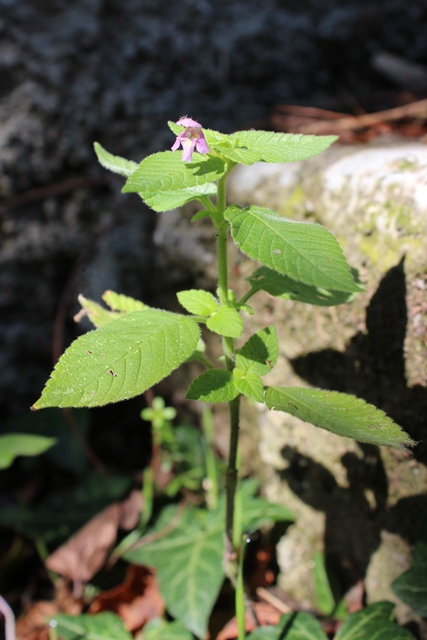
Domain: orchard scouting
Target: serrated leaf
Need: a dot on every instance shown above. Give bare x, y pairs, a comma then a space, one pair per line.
99, 626
227, 322
160, 629
339, 413
215, 385
411, 586
281, 286
259, 354
161, 177
197, 301
238, 154
168, 200
292, 626
13, 445
120, 360
303, 251
374, 622
249, 384
278, 147
116, 164
189, 567
122, 303
97, 314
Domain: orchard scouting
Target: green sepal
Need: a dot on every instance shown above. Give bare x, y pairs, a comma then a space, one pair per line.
339, 413
116, 164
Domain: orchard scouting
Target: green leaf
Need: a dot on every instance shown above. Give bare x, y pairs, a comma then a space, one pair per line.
340, 413
188, 560
411, 586
249, 383
160, 176
227, 322
160, 629
116, 164
258, 512
278, 147
259, 354
97, 314
13, 445
372, 623
168, 200
325, 600
120, 360
303, 251
99, 626
281, 286
122, 303
197, 301
215, 385
292, 626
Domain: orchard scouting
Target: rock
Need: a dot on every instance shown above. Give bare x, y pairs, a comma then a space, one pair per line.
352, 501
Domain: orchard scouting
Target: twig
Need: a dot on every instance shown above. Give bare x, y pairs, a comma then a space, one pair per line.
49, 190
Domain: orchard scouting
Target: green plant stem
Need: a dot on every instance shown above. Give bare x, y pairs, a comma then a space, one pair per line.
231, 487
211, 469
221, 226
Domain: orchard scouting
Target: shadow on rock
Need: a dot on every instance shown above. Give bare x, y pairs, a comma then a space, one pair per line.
373, 364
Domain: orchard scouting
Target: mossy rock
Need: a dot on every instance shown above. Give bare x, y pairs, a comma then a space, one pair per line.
353, 501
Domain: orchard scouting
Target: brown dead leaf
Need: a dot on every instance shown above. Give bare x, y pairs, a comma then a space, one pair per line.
85, 552
137, 600
264, 614
33, 626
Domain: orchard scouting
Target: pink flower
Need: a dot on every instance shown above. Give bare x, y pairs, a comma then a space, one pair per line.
192, 138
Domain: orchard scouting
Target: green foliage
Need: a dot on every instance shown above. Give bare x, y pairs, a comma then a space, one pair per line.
186, 549
411, 586
133, 347
116, 164
340, 413
165, 182
286, 288
373, 622
13, 445
159, 629
120, 360
324, 582
292, 626
199, 302
303, 251
100, 626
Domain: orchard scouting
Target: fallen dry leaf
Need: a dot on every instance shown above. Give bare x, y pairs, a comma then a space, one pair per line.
264, 614
85, 552
137, 600
33, 626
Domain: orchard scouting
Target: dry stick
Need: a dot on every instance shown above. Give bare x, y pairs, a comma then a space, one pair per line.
413, 109
47, 191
